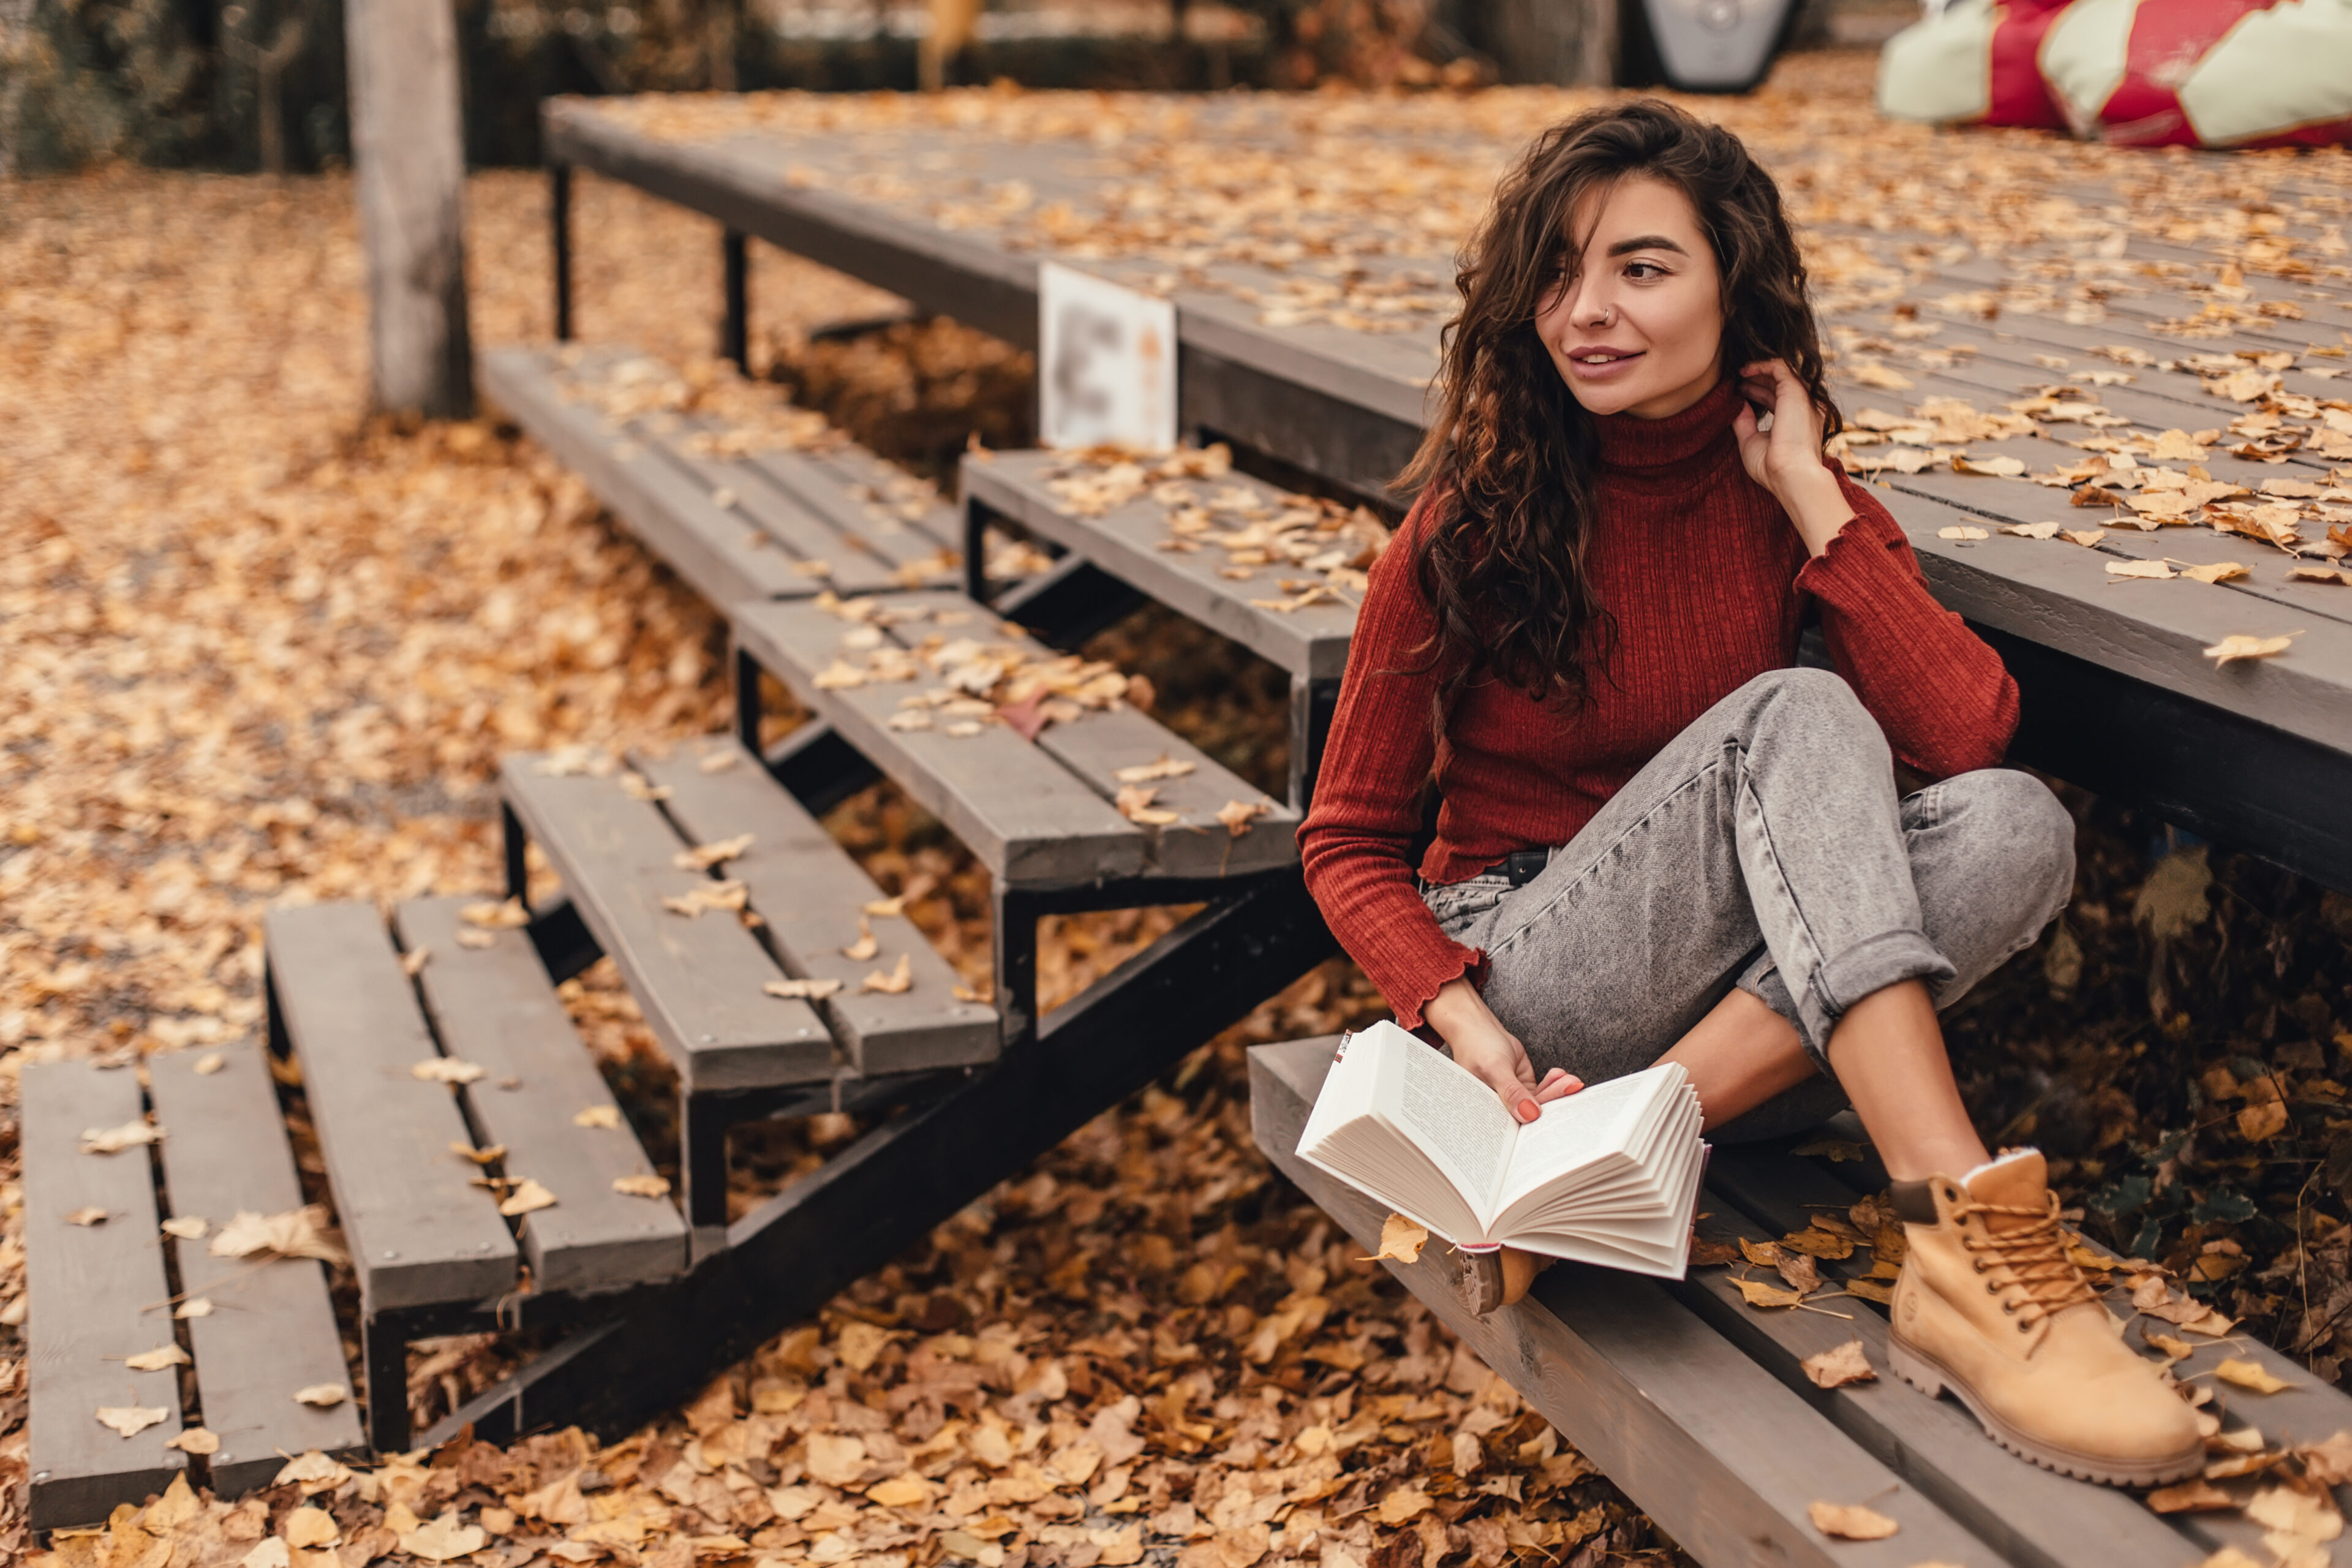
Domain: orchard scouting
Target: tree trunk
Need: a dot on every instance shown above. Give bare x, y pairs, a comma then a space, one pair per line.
408, 148
1568, 43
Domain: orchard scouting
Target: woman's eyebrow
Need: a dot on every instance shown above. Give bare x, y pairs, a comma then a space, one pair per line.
1646, 242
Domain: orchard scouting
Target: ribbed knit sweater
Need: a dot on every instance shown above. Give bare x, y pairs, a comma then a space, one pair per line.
1708, 582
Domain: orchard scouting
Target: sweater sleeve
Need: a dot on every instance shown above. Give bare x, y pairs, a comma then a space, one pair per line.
1944, 698
1355, 846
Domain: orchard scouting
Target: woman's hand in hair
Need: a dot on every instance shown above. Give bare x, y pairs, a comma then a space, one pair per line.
1479, 1042
1781, 450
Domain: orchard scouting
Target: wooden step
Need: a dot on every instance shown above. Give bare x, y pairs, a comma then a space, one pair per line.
721, 553
696, 979
271, 1330
1723, 1453
1131, 543
420, 1233
542, 1100
95, 1295
1036, 813
815, 899
736, 519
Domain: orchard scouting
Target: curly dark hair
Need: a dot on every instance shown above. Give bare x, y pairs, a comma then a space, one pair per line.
1510, 460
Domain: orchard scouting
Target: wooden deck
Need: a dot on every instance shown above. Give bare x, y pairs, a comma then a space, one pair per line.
2119, 694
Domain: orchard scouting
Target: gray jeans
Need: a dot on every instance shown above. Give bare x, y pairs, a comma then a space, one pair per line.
1763, 848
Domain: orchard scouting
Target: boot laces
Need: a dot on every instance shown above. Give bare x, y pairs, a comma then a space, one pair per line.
2033, 1253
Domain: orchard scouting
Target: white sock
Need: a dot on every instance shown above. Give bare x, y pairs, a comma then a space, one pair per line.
2004, 1158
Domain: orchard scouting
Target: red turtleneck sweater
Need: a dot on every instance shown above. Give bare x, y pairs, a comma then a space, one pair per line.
1707, 580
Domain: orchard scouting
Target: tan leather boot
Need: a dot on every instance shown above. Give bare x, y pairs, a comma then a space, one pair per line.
1991, 1307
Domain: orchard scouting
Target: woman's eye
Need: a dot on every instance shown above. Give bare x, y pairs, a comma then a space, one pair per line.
1644, 270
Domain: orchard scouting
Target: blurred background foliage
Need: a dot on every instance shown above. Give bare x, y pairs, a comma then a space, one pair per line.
259, 85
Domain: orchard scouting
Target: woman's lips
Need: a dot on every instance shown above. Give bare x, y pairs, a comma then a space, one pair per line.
1585, 364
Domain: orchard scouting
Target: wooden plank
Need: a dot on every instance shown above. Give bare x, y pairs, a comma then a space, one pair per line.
818, 484
811, 894
496, 1007
420, 1233
1028, 818
95, 1294
1311, 642
1714, 1448
851, 568
2029, 1515
670, 513
696, 979
912, 503
272, 1329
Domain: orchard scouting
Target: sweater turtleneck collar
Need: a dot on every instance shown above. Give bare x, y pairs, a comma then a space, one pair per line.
1630, 443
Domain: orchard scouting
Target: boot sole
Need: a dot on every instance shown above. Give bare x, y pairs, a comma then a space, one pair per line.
1922, 1373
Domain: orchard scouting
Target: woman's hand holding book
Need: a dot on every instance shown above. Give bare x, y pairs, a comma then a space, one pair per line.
1479, 1042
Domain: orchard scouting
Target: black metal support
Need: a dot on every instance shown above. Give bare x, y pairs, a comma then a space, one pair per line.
747, 703
1014, 913
1068, 602
1311, 706
735, 326
976, 518
789, 1257
383, 1350
559, 222
702, 1123
515, 840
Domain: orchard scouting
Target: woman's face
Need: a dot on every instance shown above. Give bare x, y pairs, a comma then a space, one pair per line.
1635, 324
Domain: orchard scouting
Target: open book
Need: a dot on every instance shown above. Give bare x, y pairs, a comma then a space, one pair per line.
1609, 1175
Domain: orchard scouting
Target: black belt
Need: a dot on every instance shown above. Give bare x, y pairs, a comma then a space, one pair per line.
1521, 865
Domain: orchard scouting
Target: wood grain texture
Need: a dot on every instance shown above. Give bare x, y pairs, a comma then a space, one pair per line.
811, 541
811, 894
848, 491
95, 1294
420, 1233
669, 510
495, 1006
1711, 1446
1028, 819
272, 1329
1125, 542
697, 978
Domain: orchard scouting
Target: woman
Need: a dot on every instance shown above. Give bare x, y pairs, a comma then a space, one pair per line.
1655, 837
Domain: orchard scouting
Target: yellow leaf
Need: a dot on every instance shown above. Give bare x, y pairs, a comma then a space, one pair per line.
1817, 1243
2174, 1350
703, 856
324, 1395
2086, 537
1401, 1505
194, 1440
1871, 1290
309, 1527
2219, 572
901, 1491
113, 1140
1763, 1254
157, 1359
2258, 1122
866, 945
2032, 530
129, 1420
527, 1196
1401, 1239
490, 1155
1166, 767
2239, 644
2190, 1497
1962, 534
1759, 1294
886, 908
1995, 467
1837, 1367
597, 1116
467, 937
446, 1069
641, 1186
1851, 1522
1237, 814
801, 990
2156, 570
896, 983
195, 1307
506, 916
187, 1227
87, 1215
1134, 803
2250, 1375
445, 1539
209, 1063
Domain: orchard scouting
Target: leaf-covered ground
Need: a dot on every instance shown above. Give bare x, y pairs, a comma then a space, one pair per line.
261, 648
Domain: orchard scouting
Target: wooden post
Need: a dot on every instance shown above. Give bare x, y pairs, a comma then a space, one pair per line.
407, 143
1568, 43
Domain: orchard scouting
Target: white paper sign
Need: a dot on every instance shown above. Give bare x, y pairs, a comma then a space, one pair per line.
1105, 362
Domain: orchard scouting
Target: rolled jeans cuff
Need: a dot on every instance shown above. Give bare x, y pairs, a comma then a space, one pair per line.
1870, 965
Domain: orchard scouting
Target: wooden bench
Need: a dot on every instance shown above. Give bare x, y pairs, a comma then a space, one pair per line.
1699, 1407
1302, 633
